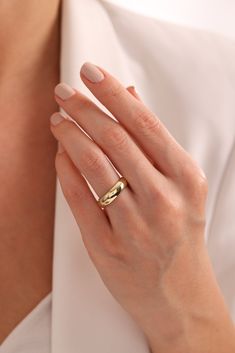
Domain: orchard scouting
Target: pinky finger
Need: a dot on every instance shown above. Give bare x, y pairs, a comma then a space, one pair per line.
132, 91
93, 222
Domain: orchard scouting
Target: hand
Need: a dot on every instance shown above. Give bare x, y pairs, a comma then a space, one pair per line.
148, 244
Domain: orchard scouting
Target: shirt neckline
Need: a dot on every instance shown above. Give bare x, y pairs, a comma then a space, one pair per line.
30, 316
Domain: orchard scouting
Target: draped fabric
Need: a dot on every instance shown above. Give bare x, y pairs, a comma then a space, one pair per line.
187, 78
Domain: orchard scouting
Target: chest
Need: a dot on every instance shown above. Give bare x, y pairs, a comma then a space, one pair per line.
28, 175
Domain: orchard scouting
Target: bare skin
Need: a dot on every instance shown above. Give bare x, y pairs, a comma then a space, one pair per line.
29, 71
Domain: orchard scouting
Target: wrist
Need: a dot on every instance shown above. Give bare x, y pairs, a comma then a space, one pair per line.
191, 315
196, 335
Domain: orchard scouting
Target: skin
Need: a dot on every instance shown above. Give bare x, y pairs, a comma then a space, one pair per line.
27, 152
148, 244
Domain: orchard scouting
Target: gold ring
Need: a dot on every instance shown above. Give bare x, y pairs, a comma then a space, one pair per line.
112, 193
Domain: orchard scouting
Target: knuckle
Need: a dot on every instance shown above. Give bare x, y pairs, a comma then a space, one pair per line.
199, 194
201, 185
115, 136
116, 90
93, 161
82, 104
146, 121
155, 193
198, 181
194, 177
112, 92
168, 200
176, 209
115, 251
73, 193
195, 186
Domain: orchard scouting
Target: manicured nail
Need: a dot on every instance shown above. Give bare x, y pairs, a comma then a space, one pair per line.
134, 92
60, 147
56, 118
64, 91
91, 72
134, 89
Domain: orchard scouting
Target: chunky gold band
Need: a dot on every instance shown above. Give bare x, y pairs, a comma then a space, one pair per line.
112, 193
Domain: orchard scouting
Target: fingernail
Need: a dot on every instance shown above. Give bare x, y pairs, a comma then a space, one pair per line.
92, 73
64, 91
134, 89
134, 92
60, 147
56, 118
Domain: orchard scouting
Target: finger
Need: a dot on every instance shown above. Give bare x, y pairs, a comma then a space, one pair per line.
132, 91
82, 202
147, 129
90, 161
111, 137
60, 147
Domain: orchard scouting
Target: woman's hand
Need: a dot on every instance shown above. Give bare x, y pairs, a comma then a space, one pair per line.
148, 244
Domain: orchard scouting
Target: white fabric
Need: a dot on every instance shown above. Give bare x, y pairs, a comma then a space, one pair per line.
215, 15
33, 334
185, 76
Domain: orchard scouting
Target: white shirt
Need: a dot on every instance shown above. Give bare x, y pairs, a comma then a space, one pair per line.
185, 76
33, 333
214, 15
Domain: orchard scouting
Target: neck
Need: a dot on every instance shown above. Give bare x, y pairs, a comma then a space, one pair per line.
29, 72
29, 66
26, 29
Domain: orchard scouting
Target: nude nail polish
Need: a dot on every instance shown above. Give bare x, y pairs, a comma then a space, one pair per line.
92, 72
133, 91
56, 118
64, 91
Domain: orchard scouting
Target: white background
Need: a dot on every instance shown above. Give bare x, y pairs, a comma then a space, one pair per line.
216, 15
